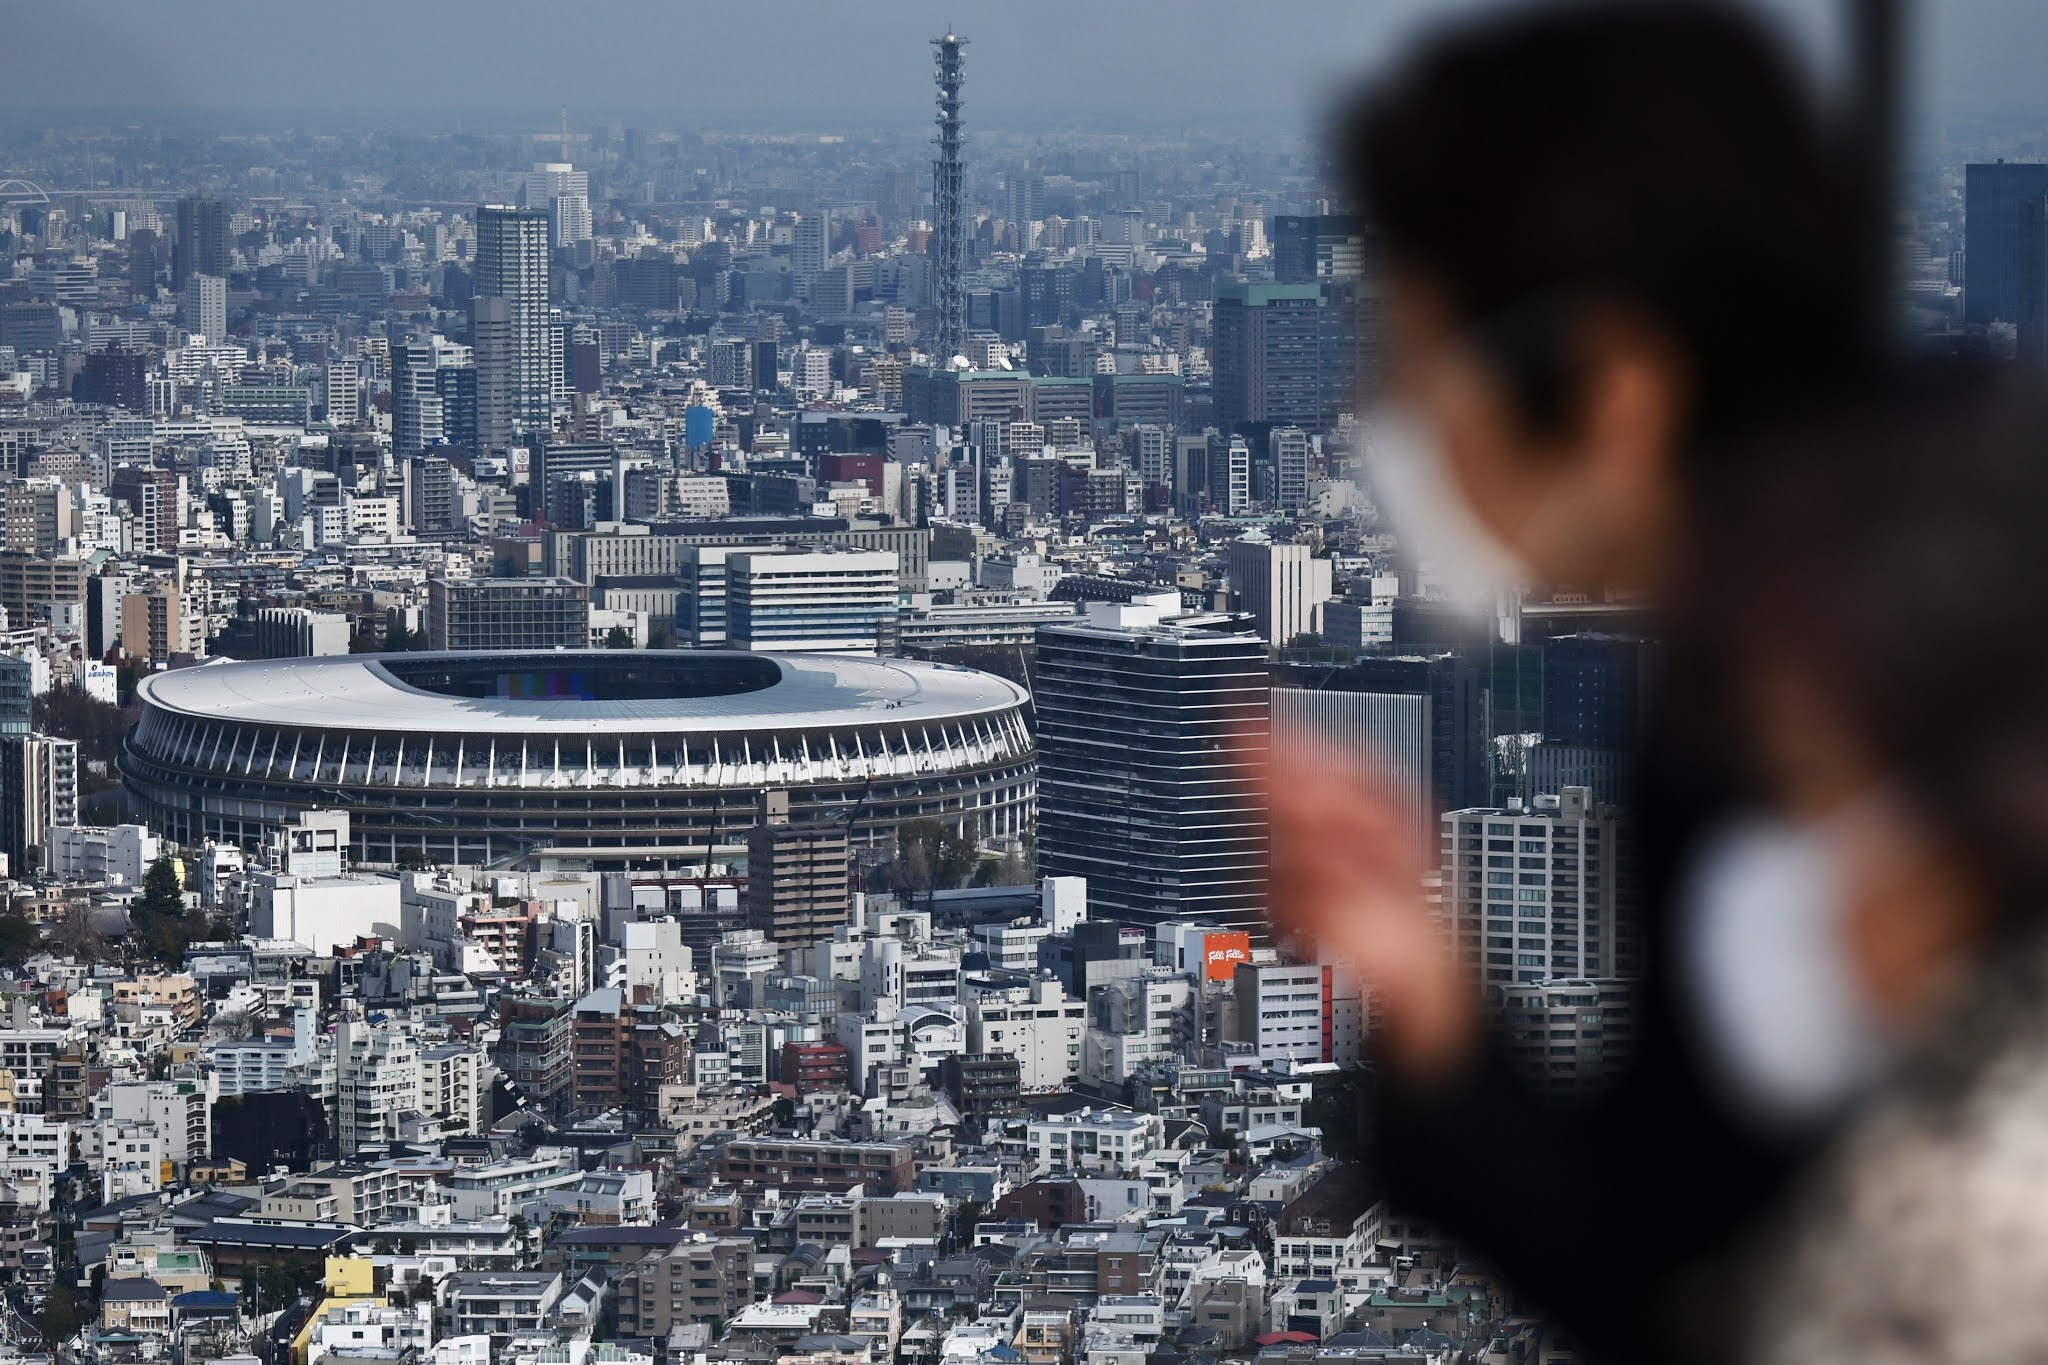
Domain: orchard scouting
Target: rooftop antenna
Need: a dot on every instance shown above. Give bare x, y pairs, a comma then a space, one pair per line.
565, 133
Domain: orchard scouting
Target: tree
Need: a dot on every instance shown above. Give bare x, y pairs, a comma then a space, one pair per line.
162, 891
93, 725
661, 637
280, 1283
160, 928
618, 637
59, 1319
20, 939
931, 857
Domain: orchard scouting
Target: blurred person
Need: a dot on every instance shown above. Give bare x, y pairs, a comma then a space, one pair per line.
1888, 693
1618, 241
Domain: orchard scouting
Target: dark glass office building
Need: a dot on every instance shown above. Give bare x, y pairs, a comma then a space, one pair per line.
1993, 196
1150, 734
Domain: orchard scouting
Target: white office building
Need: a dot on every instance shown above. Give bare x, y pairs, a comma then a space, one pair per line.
204, 303
825, 601
1283, 1010
1282, 585
559, 190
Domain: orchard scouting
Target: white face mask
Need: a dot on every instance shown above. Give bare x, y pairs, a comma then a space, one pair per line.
1788, 1028
1415, 488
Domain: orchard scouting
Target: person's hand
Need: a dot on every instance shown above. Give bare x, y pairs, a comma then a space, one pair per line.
1345, 874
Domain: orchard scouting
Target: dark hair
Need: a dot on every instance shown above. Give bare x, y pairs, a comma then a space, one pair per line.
1896, 556
1658, 157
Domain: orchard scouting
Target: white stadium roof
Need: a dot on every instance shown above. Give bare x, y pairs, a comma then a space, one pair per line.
356, 692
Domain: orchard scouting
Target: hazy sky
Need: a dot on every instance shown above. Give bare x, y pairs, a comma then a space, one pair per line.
816, 62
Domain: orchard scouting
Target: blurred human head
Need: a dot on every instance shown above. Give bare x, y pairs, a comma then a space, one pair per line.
1857, 625
1861, 611
1615, 235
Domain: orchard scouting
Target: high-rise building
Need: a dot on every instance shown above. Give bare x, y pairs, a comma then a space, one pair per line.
1994, 196
1597, 690
430, 501
1230, 474
455, 382
38, 789
416, 407
1149, 450
511, 327
1283, 587
17, 695
508, 613
204, 303
344, 391
1287, 457
1566, 1037
1455, 691
1150, 729
1269, 355
810, 245
1026, 196
203, 246
2031, 316
39, 515
949, 234
159, 622
798, 888
1382, 737
153, 502
1319, 246
1543, 892
562, 192
115, 377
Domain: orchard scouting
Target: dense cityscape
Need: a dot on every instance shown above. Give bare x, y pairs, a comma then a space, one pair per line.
643, 747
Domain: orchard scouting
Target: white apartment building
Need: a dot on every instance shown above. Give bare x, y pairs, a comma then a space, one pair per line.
260, 1065
654, 955
356, 1326
181, 1112
1539, 893
1108, 1140
1287, 456
377, 1077
1039, 1025
130, 1157
908, 975
34, 1150
450, 1087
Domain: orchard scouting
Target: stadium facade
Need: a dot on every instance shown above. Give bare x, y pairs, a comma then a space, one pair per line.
605, 759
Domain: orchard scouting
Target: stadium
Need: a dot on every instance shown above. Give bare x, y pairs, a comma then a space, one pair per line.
611, 760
